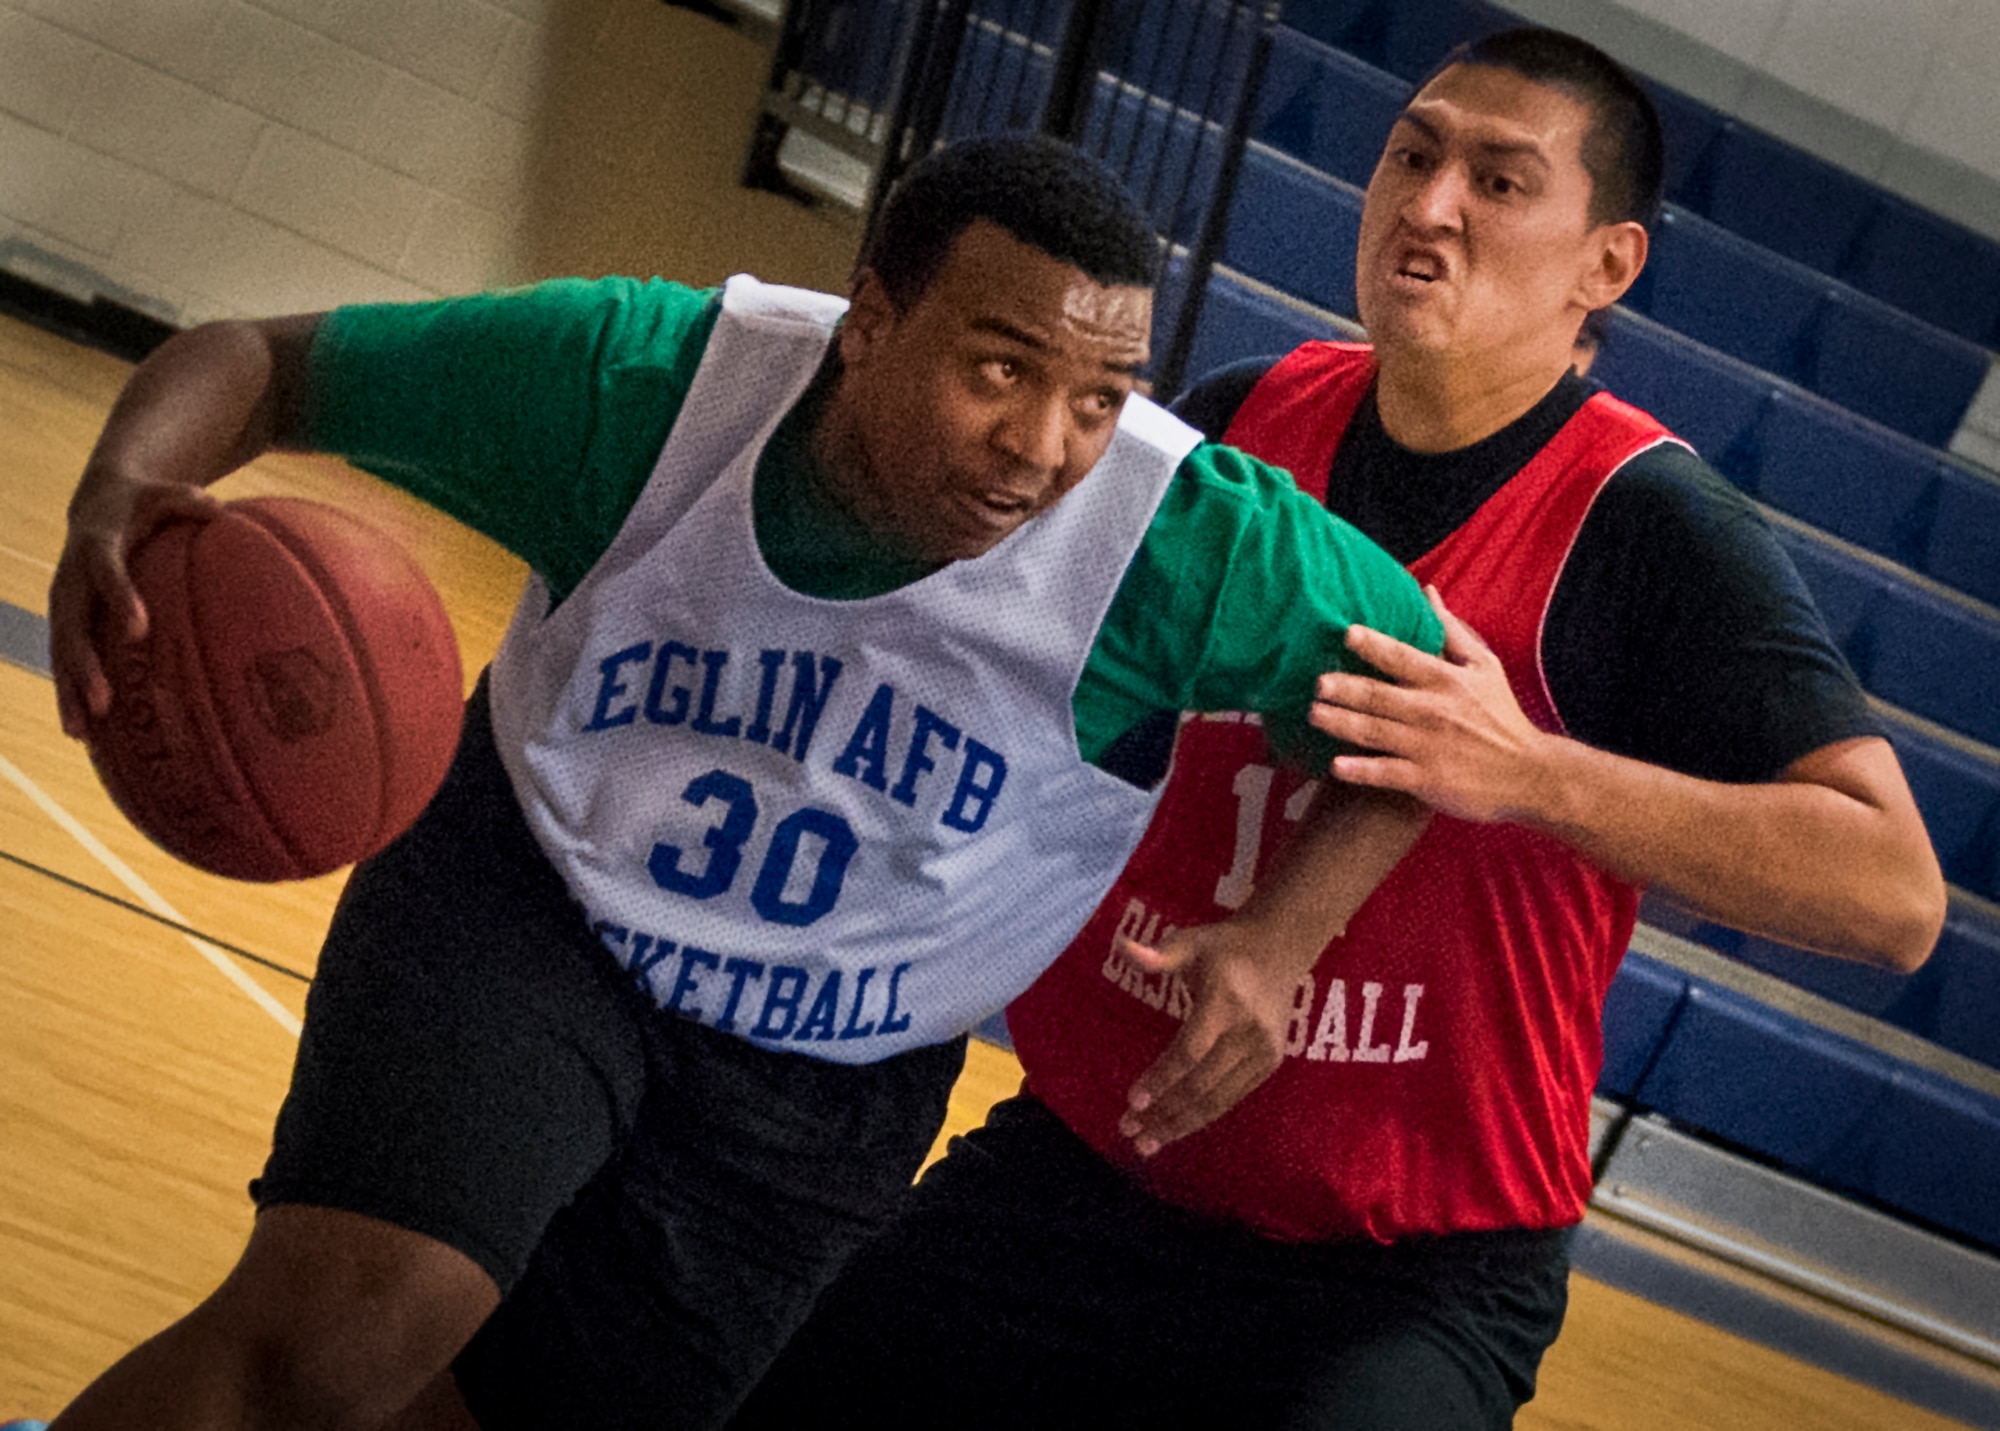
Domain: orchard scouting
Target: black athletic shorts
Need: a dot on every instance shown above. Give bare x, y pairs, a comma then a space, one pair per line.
1029, 1283
658, 1202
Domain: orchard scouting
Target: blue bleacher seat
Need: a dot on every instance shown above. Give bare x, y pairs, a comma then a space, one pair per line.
1882, 363
1239, 322
1967, 959
853, 51
1784, 199
1957, 787
1935, 653
1295, 229
1710, 400
1416, 36
1845, 475
1953, 1000
1037, 20
1000, 83
1930, 651
1689, 129
1844, 1114
1938, 1157
1864, 988
1723, 290
1770, 1082
1326, 108
1355, 26
1644, 999
1191, 51
1845, 590
1152, 147
1964, 547
1931, 268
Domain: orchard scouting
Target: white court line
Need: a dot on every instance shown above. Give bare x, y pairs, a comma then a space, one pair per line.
18, 555
149, 896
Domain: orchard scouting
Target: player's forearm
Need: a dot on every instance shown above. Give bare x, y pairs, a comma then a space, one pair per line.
1346, 844
1833, 856
204, 403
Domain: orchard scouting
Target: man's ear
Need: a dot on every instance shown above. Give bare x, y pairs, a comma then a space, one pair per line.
1618, 252
870, 313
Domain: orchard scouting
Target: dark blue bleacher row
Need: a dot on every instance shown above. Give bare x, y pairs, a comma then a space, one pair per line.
1792, 203
1780, 197
1949, 1002
1807, 456
1842, 1113
1794, 322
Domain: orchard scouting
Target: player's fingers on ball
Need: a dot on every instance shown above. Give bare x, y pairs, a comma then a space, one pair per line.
69, 707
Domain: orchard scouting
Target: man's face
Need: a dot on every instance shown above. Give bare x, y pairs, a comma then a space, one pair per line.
1476, 235
984, 402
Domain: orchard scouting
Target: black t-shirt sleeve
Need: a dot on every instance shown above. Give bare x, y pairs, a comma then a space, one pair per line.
1209, 406
1681, 635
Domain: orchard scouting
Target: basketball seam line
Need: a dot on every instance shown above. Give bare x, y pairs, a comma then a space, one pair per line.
212, 679
357, 648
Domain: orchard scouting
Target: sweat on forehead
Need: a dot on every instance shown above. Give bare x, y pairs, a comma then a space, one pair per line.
1040, 190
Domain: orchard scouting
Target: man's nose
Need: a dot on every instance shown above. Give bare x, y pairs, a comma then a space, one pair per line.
1437, 200
1035, 433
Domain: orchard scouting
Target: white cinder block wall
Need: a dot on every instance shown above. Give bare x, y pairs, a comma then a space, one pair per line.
205, 158
198, 158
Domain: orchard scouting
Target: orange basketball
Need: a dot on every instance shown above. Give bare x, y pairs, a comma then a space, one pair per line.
296, 700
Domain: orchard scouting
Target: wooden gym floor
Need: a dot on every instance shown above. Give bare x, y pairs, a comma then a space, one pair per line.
142, 1058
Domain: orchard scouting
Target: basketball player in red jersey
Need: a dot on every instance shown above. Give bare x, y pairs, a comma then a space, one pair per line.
1376, 1237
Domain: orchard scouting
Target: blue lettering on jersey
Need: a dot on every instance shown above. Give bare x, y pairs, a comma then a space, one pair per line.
704, 719
867, 754
740, 971
674, 698
689, 981
663, 664
612, 688
809, 694
918, 759
818, 1023
855, 1028
979, 782
782, 994
759, 729
788, 990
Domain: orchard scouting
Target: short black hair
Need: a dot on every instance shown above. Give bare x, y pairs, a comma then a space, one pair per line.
1040, 190
1623, 151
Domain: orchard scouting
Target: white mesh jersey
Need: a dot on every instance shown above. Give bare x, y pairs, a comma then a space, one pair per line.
842, 828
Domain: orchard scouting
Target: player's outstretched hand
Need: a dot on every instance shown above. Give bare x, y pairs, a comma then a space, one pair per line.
1449, 731
91, 595
1233, 1039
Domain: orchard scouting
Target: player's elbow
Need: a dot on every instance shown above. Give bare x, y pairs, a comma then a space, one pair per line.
1907, 916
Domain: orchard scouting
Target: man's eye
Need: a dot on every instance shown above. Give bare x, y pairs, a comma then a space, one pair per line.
1000, 370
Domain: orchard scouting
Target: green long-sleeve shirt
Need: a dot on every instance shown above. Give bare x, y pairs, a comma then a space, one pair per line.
535, 415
